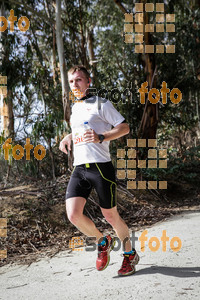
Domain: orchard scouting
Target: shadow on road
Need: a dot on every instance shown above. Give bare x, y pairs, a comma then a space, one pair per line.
169, 271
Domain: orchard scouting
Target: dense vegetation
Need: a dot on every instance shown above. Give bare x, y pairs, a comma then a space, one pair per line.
92, 34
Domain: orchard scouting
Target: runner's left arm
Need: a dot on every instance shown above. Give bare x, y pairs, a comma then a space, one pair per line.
113, 134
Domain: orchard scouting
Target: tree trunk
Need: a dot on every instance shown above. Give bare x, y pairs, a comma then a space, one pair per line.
90, 40
83, 39
10, 128
52, 160
7, 117
54, 56
120, 5
63, 71
148, 126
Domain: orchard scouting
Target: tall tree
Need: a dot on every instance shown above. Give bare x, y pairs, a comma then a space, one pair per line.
148, 125
149, 122
61, 55
63, 70
7, 109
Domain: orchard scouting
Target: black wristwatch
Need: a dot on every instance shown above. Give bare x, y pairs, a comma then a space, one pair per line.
101, 138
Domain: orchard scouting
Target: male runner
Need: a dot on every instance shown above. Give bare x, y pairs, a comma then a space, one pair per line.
93, 168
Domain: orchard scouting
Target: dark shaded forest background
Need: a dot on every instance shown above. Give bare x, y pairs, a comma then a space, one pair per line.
63, 33
91, 33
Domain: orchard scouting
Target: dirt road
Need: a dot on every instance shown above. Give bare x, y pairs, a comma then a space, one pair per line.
160, 275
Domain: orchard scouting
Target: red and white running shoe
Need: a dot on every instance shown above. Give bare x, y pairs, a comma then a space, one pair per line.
103, 258
128, 264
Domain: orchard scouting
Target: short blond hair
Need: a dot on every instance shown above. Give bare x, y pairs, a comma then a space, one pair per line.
79, 68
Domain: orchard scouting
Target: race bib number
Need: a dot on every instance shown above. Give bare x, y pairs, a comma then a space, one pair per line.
78, 137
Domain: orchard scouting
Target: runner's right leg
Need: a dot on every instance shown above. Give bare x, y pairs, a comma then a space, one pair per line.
74, 209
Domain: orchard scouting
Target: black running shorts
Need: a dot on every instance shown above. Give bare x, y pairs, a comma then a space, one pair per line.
101, 176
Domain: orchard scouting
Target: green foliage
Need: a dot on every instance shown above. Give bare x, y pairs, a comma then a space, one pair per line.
36, 86
185, 168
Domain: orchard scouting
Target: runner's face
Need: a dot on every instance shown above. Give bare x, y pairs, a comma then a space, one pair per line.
78, 84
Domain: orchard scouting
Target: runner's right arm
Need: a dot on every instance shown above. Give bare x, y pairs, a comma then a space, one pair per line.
66, 141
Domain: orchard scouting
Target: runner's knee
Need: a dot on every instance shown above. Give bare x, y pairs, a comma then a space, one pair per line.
74, 209
112, 217
73, 217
